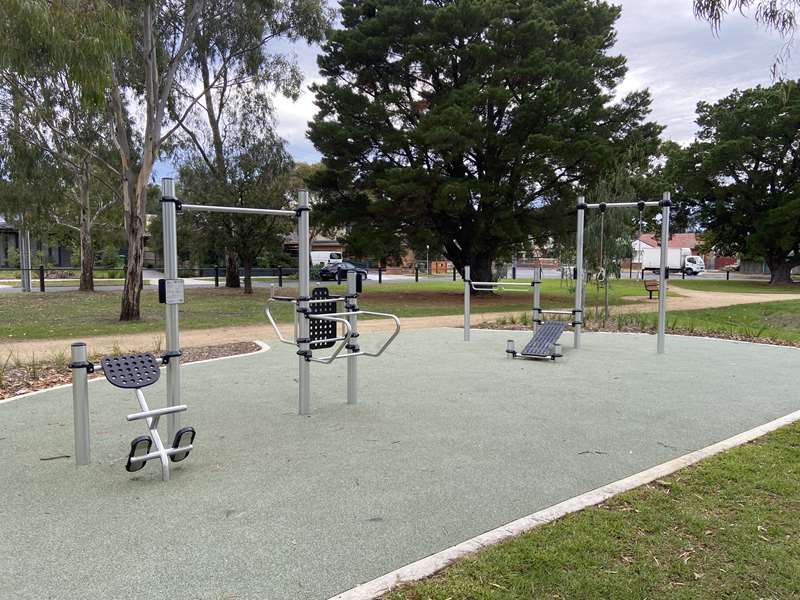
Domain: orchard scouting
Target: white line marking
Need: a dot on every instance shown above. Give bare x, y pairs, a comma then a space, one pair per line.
430, 565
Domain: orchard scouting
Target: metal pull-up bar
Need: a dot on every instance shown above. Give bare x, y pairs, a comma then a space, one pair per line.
170, 205
665, 203
239, 210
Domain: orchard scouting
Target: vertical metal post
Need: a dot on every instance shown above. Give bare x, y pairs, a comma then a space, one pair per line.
41, 278
216, 275
24, 258
280, 276
28, 261
80, 402
537, 297
352, 362
514, 264
169, 224
380, 274
666, 203
303, 341
466, 303
416, 273
578, 316
454, 272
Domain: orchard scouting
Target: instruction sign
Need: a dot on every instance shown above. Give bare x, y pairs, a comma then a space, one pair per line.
170, 291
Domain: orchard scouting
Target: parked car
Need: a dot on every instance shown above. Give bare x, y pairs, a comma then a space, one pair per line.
330, 272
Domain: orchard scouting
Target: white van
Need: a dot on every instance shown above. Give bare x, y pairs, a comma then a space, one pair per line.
325, 258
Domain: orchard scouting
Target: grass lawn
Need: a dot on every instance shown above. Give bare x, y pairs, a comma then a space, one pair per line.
76, 314
728, 527
768, 320
735, 286
74, 283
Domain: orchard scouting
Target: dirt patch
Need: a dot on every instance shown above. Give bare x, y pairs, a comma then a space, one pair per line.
22, 379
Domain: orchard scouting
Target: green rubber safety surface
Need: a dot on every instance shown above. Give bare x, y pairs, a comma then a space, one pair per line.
449, 439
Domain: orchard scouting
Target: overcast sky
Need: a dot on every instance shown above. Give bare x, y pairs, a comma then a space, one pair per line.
668, 50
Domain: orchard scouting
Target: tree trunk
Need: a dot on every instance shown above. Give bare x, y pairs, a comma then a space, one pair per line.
780, 271
134, 229
87, 258
247, 264
232, 279
480, 268
87, 252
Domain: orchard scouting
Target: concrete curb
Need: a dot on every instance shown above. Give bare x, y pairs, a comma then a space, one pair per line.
430, 565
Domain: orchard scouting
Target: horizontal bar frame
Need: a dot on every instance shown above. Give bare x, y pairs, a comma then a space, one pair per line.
239, 210
622, 204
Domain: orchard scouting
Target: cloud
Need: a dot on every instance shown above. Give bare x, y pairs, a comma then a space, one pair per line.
669, 52
292, 119
682, 62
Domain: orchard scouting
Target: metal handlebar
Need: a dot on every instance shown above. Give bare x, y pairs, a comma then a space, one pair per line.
488, 286
326, 360
383, 347
275, 325
337, 317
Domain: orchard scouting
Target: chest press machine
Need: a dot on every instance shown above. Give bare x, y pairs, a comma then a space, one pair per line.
321, 320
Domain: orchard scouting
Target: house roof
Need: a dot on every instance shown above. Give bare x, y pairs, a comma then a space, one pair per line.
678, 240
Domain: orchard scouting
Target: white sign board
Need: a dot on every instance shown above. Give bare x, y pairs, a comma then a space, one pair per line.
173, 291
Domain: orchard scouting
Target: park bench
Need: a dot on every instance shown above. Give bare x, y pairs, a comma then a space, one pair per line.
652, 285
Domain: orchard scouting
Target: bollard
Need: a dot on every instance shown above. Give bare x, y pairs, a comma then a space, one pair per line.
216, 275
416, 273
280, 276
41, 278
727, 276
514, 272
380, 274
454, 272
80, 401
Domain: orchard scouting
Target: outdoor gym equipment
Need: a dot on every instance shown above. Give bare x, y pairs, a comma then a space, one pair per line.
316, 313
546, 334
544, 343
665, 205
321, 320
171, 294
132, 372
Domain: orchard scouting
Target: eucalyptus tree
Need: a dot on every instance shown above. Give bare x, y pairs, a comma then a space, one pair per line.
240, 50
780, 16
258, 173
53, 75
47, 114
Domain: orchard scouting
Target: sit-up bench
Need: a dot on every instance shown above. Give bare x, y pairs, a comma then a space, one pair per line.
136, 371
544, 343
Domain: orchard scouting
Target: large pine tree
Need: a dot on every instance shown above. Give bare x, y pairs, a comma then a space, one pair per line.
469, 124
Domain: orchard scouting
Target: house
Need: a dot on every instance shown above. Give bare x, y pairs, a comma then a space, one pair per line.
58, 256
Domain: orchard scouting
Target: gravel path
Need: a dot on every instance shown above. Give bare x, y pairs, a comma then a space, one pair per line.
686, 300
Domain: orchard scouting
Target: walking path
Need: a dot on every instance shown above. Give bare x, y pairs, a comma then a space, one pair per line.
686, 300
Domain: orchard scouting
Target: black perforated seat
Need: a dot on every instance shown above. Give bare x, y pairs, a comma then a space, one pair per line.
131, 371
